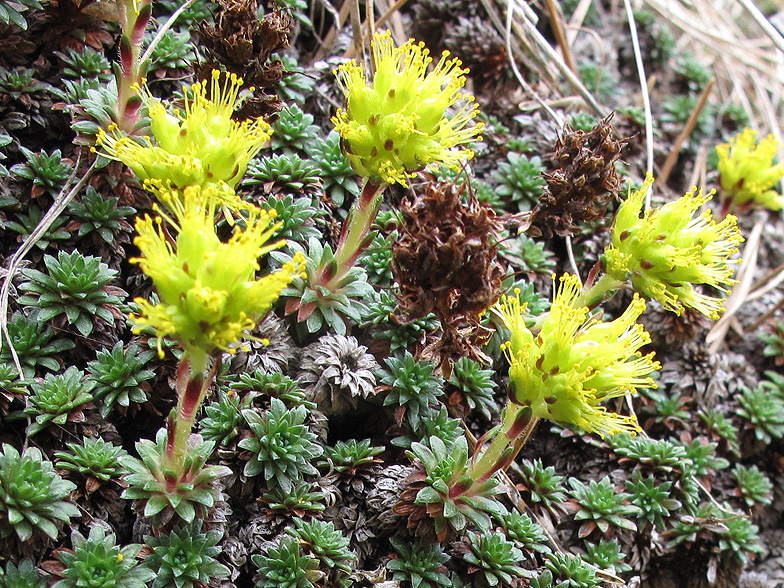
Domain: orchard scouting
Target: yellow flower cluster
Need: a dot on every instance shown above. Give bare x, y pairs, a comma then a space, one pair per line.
668, 251
209, 294
748, 173
199, 146
574, 364
398, 124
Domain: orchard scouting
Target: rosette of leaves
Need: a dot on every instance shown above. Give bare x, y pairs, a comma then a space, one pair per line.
753, 485
420, 565
654, 499
377, 258
102, 215
600, 505
300, 501
223, 419
98, 562
438, 424
12, 389
657, 454
31, 496
76, 286
740, 541
173, 53
82, 70
268, 386
411, 387
764, 412
57, 400
436, 490
317, 307
519, 180
285, 174
472, 387
529, 255
26, 222
544, 486
570, 570
34, 343
24, 576
185, 558
347, 457
329, 547
337, 175
607, 555
524, 532
299, 216
94, 459
285, 567
293, 129
160, 492
401, 335
282, 447
119, 376
492, 559
47, 172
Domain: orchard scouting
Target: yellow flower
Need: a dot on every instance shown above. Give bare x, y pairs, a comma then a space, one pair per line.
669, 250
209, 294
199, 146
748, 173
398, 124
574, 364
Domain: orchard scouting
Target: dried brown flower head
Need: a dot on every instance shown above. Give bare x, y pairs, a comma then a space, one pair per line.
583, 183
445, 262
243, 43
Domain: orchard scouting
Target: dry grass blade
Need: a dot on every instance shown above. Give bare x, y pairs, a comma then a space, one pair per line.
688, 128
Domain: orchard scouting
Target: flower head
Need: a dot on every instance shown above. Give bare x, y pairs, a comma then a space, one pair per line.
669, 250
574, 364
398, 125
208, 290
748, 173
198, 146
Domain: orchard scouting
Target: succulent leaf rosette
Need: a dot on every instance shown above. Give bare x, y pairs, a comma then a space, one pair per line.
668, 251
199, 146
575, 363
397, 124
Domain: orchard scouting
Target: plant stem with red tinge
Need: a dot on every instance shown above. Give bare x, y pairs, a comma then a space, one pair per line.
192, 384
130, 72
354, 237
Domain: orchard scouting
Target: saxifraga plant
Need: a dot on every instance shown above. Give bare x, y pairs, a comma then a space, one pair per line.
161, 492
57, 400
764, 412
47, 172
98, 562
474, 386
100, 214
282, 447
570, 570
653, 499
412, 388
285, 567
119, 375
754, 487
607, 555
524, 532
420, 565
31, 495
77, 286
35, 344
519, 179
543, 484
600, 505
23, 576
328, 546
493, 560
93, 458
185, 558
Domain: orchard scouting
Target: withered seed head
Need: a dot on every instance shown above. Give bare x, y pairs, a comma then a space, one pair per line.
243, 43
583, 183
445, 262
